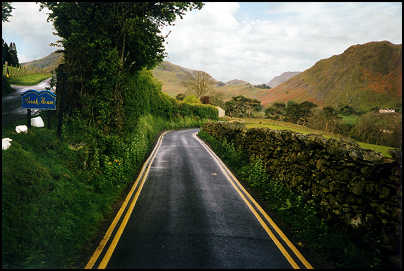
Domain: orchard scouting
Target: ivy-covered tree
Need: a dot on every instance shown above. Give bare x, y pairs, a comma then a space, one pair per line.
104, 42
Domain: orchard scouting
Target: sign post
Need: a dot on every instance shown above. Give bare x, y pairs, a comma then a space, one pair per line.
34, 99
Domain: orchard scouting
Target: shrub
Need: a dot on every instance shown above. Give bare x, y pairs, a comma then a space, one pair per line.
192, 99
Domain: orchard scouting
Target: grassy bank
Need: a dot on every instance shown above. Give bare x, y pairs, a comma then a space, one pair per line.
325, 245
281, 125
58, 195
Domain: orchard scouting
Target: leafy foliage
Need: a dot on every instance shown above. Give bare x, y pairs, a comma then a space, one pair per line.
6, 10
103, 44
192, 99
292, 111
241, 106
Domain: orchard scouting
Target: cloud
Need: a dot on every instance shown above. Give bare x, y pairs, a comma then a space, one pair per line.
292, 37
241, 41
30, 31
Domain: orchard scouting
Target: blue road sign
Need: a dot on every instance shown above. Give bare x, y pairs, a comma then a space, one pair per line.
43, 99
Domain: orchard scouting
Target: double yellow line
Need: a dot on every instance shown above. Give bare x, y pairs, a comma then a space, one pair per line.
107, 256
291, 253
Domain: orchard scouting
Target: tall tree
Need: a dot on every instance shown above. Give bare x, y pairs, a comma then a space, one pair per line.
12, 53
200, 85
103, 43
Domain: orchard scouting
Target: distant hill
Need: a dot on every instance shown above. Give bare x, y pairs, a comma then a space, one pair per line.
277, 80
236, 82
48, 63
363, 76
172, 77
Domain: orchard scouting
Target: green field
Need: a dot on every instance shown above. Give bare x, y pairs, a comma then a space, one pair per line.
24, 76
281, 125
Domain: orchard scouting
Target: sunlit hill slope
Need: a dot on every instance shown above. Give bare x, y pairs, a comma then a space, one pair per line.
363, 76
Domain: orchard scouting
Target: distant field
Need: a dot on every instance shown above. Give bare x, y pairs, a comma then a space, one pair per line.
31, 79
25, 77
281, 125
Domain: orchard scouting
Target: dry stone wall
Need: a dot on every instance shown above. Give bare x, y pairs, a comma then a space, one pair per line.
358, 188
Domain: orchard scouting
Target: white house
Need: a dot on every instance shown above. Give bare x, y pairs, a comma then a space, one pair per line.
221, 111
386, 111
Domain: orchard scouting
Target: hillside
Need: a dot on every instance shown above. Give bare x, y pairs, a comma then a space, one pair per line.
363, 76
48, 63
172, 77
277, 80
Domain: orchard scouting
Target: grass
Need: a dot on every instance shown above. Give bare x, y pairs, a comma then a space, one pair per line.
281, 125
59, 195
30, 79
25, 76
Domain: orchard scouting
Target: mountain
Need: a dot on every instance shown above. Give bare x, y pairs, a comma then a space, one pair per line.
277, 80
172, 77
363, 76
48, 63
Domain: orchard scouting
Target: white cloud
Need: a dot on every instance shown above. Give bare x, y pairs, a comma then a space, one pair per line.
30, 31
292, 38
287, 37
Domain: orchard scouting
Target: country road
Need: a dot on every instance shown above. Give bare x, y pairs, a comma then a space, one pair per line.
189, 212
11, 110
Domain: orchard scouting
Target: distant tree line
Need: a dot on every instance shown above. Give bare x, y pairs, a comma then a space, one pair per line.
264, 86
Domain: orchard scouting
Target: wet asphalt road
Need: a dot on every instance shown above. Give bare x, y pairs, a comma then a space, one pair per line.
188, 215
11, 110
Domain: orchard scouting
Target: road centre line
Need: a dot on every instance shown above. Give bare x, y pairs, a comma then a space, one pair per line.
111, 228
270, 221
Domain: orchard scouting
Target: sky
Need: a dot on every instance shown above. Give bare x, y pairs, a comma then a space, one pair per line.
247, 41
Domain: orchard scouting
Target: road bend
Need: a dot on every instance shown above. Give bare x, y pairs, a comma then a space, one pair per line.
11, 110
192, 213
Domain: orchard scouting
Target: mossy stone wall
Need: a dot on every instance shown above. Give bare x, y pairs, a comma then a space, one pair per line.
357, 188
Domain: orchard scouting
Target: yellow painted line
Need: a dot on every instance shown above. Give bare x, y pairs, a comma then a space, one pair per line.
111, 228
121, 228
270, 221
268, 231
277, 229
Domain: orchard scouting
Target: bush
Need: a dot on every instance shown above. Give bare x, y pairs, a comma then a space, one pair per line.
192, 99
